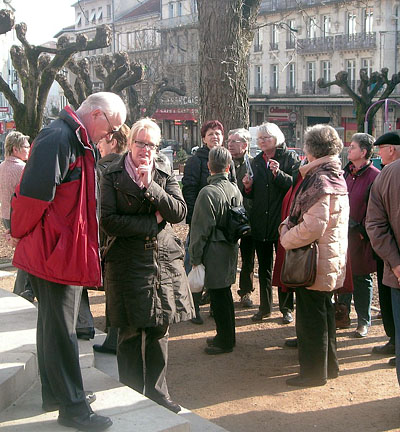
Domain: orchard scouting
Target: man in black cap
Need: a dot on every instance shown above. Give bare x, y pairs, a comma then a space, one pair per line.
389, 150
389, 147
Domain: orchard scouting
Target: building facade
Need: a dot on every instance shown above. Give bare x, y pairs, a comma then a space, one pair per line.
293, 47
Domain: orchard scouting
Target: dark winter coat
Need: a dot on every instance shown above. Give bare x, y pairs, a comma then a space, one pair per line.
208, 245
267, 193
359, 185
146, 284
382, 221
240, 171
54, 207
195, 178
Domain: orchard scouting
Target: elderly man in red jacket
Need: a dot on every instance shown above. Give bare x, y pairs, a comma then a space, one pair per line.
55, 220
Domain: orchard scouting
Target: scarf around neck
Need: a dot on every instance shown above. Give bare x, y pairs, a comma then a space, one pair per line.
326, 178
132, 170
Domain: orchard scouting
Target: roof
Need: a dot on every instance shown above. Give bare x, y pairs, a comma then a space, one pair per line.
68, 29
149, 7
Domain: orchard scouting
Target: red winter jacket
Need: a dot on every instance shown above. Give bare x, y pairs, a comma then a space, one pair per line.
53, 211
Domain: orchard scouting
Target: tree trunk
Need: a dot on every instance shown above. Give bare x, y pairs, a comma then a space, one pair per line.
225, 36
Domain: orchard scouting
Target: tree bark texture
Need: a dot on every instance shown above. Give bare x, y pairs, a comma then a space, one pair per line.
225, 37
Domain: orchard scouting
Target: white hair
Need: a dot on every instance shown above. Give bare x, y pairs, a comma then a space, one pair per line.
108, 102
272, 130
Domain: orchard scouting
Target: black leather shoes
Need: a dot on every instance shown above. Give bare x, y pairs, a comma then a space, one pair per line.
86, 422
259, 316
387, 349
291, 343
299, 381
392, 362
215, 350
210, 341
197, 320
168, 403
104, 349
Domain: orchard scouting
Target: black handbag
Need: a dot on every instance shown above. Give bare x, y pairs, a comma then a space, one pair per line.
299, 267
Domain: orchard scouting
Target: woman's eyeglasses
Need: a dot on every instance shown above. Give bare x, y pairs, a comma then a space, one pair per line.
142, 144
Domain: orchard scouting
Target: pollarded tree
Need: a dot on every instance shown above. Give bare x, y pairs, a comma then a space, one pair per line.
119, 75
6, 21
37, 67
225, 36
367, 91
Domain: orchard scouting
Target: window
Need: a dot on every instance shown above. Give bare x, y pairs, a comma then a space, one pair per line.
170, 10
179, 13
274, 37
257, 79
366, 63
194, 6
351, 23
326, 70
311, 72
78, 21
326, 25
292, 76
312, 28
257, 40
351, 72
92, 18
274, 77
368, 20
100, 14
108, 11
291, 38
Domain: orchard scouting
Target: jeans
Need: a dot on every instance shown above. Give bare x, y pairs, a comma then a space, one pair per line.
362, 298
396, 317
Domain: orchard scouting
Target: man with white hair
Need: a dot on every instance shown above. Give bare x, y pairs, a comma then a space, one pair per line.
54, 225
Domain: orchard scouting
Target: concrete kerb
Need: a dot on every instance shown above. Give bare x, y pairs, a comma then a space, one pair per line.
20, 395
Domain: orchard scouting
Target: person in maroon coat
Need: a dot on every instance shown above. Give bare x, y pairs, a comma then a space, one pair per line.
360, 174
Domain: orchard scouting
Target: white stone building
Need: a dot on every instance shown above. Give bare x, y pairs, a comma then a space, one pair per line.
295, 46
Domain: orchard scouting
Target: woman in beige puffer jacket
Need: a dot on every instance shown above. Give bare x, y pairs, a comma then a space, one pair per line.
319, 212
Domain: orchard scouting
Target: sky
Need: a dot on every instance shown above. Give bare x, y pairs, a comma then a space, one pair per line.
44, 18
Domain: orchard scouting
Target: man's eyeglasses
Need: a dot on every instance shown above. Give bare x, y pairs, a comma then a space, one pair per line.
229, 141
112, 128
142, 144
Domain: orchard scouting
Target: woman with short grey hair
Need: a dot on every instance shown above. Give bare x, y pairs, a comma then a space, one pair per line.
319, 212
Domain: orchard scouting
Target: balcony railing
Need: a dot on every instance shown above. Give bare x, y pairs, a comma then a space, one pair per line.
290, 90
258, 91
273, 90
273, 46
258, 48
353, 84
180, 21
290, 44
309, 87
276, 5
322, 91
355, 41
315, 45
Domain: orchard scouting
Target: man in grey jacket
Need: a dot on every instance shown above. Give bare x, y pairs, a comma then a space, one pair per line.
383, 228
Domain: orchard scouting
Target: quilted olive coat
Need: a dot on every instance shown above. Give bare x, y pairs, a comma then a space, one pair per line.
145, 282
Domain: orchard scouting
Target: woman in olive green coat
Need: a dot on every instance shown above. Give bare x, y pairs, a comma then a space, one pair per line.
209, 246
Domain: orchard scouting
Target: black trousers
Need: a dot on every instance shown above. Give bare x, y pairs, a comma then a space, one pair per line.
247, 253
265, 255
385, 302
57, 345
85, 323
142, 356
224, 316
316, 334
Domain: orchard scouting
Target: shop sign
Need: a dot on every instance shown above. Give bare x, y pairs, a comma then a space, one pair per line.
4, 109
10, 125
